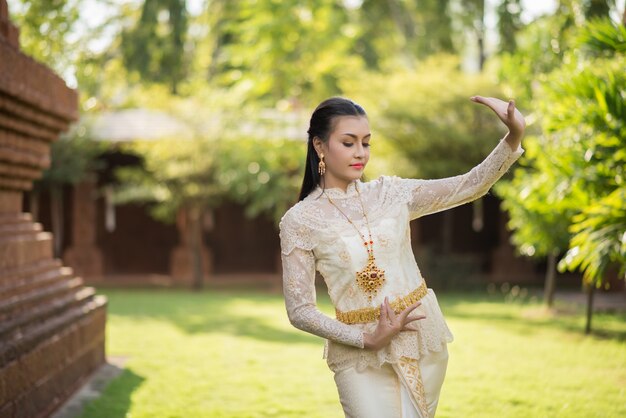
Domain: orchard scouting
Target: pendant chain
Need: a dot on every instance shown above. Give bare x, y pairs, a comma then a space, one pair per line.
369, 244
371, 278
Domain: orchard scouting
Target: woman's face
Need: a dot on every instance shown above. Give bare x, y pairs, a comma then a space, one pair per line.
346, 152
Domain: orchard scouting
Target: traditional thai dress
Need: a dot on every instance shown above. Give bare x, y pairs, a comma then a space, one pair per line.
404, 378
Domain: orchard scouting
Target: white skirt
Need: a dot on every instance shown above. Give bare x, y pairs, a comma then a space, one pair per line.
400, 390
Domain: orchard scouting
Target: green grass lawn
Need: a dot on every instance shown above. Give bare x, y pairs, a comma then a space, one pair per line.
228, 353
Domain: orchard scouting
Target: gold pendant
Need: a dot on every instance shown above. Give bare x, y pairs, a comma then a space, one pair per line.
371, 278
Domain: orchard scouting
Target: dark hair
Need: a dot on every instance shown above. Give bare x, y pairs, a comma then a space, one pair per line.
321, 125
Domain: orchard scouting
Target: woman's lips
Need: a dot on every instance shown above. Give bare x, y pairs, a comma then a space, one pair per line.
359, 166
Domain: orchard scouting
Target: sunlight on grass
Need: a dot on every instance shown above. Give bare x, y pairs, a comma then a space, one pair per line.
234, 354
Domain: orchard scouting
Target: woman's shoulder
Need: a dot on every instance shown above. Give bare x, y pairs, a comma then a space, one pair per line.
291, 216
382, 184
299, 215
296, 228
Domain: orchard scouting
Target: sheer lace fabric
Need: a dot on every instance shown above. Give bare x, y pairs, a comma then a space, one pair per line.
316, 236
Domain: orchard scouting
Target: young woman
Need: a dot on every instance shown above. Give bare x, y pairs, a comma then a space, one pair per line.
387, 344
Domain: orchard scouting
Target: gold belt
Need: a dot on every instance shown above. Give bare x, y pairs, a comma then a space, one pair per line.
365, 315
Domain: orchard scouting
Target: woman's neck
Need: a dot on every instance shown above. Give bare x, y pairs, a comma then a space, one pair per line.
336, 184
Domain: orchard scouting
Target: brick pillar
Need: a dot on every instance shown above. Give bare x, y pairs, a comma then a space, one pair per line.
51, 326
84, 256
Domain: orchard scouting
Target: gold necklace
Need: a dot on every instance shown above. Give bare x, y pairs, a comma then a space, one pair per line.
371, 278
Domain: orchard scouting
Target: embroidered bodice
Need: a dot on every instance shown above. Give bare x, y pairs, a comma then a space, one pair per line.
316, 236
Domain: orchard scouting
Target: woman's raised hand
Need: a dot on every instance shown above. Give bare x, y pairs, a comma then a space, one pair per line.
389, 325
507, 113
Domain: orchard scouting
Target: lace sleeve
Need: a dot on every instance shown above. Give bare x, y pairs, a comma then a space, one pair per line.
299, 291
429, 196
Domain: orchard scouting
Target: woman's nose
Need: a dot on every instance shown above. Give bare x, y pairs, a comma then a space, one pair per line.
359, 150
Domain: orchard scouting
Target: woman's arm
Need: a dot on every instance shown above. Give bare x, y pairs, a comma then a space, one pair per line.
429, 196
299, 291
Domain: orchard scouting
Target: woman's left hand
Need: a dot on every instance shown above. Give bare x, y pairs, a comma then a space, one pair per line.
508, 114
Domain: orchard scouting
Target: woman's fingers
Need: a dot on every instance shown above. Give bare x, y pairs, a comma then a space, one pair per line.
414, 318
383, 311
412, 326
506, 111
405, 313
390, 313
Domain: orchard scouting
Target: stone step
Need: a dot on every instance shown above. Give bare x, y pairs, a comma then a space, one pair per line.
45, 275
21, 250
31, 336
20, 228
39, 314
20, 273
45, 375
15, 217
16, 304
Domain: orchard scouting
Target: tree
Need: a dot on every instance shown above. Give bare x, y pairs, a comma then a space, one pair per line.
583, 119
176, 175
45, 29
154, 47
236, 153
541, 200
509, 23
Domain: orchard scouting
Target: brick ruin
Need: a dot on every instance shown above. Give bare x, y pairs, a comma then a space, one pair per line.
51, 325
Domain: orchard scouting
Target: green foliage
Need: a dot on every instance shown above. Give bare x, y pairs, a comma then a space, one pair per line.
236, 153
575, 170
45, 27
509, 23
176, 173
73, 157
154, 47
600, 238
541, 48
427, 115
540, 200
286, 49
399, 32
598, 92
263, 174
604, 36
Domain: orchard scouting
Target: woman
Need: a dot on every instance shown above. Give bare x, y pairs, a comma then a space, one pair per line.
387, 344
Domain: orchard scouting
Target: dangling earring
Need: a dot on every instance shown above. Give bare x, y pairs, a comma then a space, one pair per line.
321, 167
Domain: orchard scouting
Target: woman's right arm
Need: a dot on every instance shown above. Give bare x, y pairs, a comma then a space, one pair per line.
299, 291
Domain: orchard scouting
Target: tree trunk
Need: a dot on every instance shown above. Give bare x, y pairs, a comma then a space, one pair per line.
480, 35
195, 220
481, 51
56, 209
550, 282
590, 292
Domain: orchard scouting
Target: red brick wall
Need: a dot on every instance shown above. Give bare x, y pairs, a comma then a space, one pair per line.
51, 325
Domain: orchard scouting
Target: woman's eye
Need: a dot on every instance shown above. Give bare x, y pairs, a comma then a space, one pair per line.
347, 144
367, 145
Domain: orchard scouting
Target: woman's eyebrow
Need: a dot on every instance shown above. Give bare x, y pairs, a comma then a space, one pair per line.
351, 135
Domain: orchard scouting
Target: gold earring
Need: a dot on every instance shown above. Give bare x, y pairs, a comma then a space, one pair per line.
321, 167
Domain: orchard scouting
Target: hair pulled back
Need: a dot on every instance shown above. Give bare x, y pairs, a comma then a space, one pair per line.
321, 125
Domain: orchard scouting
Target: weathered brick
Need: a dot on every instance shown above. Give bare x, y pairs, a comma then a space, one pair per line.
53, 333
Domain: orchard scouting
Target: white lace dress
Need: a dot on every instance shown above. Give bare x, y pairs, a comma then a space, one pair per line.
316, 236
